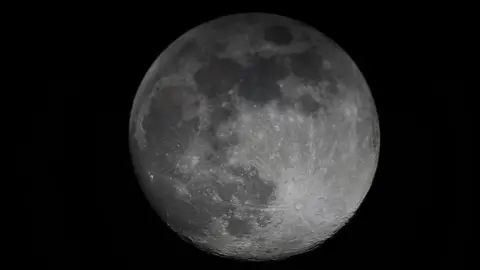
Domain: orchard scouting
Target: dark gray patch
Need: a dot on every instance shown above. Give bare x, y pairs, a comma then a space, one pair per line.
166, 106
331, 88
285, 103
198, 50
220, 46
190, 48
165, 112
259, 83
194, 123
217, 77
308, 65
221, 114
221, 144
238, 227
308, 104
226, 190
278, 34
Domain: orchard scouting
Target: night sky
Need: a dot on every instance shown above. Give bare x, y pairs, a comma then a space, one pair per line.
87, 206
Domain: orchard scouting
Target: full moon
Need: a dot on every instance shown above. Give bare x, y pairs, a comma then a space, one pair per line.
254, 136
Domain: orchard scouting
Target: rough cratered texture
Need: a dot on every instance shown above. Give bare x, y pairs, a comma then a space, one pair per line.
210, 170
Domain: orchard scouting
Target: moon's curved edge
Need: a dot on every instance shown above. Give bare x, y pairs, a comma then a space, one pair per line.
171, 51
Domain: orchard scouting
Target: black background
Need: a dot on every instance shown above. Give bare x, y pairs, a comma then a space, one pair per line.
87, 206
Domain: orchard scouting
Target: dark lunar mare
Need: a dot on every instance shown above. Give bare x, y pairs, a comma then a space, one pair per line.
165, 137
160, 124
259, 81
217, 77
278, 34
176, 52
256, 83
308, 105
308, 66
222, 113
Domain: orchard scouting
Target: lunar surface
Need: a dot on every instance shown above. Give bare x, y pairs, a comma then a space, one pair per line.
254, 136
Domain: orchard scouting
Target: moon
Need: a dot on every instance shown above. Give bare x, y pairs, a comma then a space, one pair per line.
254, 136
